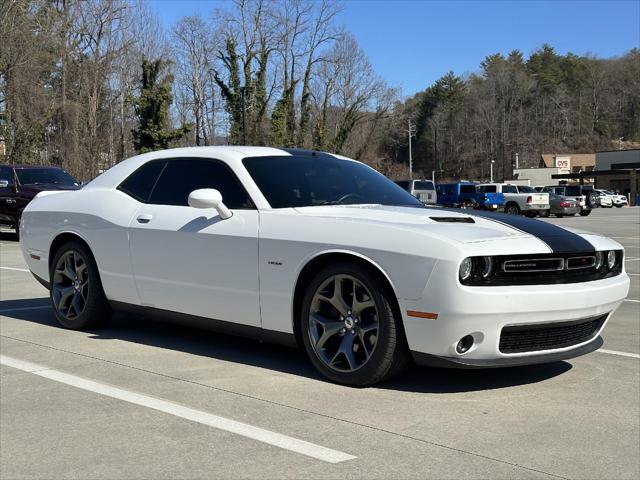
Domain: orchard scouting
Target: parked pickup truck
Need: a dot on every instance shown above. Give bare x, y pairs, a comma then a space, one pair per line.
423, 190
20, 183
466, 195
520, 199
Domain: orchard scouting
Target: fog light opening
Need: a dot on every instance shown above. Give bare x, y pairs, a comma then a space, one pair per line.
464, 344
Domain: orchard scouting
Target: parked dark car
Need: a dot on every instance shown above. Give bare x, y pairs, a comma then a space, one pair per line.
20, 183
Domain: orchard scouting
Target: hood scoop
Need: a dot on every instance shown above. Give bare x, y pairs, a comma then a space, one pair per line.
453, 219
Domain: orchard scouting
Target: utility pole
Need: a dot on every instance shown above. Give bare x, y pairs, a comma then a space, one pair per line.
491, 166
243, 91
517, 166
412, 133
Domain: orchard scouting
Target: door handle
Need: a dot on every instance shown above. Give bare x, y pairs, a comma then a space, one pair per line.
144, 218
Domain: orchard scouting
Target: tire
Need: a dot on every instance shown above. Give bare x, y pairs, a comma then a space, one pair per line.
544, 213
76, 293
585, 213
372, 358
512, 209
17, 225
619, 206
559, 215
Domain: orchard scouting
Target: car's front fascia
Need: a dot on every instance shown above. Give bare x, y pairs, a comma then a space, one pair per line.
449, 311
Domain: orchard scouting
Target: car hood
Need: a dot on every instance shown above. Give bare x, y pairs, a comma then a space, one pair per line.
456, 225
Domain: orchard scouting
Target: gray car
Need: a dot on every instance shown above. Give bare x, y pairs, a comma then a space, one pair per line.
563, 206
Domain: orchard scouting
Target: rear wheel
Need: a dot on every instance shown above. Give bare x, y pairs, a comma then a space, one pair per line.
17, 225
512, 208
349, 328
76, 294
585, 213
544, 213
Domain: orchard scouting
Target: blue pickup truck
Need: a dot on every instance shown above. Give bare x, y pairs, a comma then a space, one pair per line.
466, 195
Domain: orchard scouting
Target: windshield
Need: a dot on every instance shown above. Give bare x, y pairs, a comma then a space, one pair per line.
423, 185
300, 181
526, 189
30, 176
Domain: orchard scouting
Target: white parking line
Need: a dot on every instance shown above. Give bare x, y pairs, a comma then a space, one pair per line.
262, 435
15, 269
630, 300
632, 259
622, 354
19, 309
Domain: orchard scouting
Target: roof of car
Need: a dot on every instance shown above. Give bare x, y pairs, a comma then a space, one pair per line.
24, 165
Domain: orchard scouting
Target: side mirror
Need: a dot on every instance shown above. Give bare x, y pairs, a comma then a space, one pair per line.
4, 183
209, 198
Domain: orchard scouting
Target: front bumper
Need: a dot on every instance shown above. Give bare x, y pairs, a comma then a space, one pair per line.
483, 312
424, 359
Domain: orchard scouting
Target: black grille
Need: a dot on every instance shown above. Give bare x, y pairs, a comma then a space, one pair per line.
531, 338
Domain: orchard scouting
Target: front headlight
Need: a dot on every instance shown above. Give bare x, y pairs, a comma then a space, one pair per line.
599, 260
611, 259
466, 268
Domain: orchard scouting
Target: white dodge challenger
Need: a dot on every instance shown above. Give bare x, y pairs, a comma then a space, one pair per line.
324, 252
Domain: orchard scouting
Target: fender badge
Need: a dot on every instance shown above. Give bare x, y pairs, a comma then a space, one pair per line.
271, 262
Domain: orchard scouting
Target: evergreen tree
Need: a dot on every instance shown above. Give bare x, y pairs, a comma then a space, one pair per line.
152, 110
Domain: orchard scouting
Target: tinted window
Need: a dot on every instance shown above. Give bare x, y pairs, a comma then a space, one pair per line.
467, 189
403, 183
141, 182
526, 189
301, 181
558, 190
423, 186
6, 174
32, 176
181, 177
573, 191
509, 189
488, 189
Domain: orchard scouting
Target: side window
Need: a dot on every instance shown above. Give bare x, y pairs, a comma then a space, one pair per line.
558, 190
488, 189
6, 173
181, 177
509, 189
140, 183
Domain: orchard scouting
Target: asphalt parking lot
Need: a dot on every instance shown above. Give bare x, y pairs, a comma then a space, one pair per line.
139, 399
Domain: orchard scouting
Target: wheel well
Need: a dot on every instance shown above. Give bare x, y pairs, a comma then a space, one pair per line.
321, 261
512, 203
61, 240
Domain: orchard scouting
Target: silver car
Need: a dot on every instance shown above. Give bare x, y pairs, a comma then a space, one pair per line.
563, 206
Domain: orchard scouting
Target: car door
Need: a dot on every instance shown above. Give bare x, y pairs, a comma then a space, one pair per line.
190, 260
7, 195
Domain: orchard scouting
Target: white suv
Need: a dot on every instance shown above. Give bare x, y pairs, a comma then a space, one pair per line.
423, 190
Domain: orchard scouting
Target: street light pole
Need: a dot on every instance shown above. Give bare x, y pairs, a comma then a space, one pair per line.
517, 165
411, 132
491, 170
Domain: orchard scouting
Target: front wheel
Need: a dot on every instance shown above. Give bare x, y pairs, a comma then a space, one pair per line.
76, 294
349, 328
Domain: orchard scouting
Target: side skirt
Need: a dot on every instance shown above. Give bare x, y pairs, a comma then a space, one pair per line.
230, 328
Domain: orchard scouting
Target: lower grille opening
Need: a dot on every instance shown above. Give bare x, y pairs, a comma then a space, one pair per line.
532, 338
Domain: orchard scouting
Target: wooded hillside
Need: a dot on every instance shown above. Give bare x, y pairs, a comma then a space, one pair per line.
85, 84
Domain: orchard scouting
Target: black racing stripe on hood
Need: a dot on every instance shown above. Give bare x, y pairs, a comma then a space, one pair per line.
558, 239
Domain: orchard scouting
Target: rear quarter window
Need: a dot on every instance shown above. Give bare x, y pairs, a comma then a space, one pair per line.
141, 182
